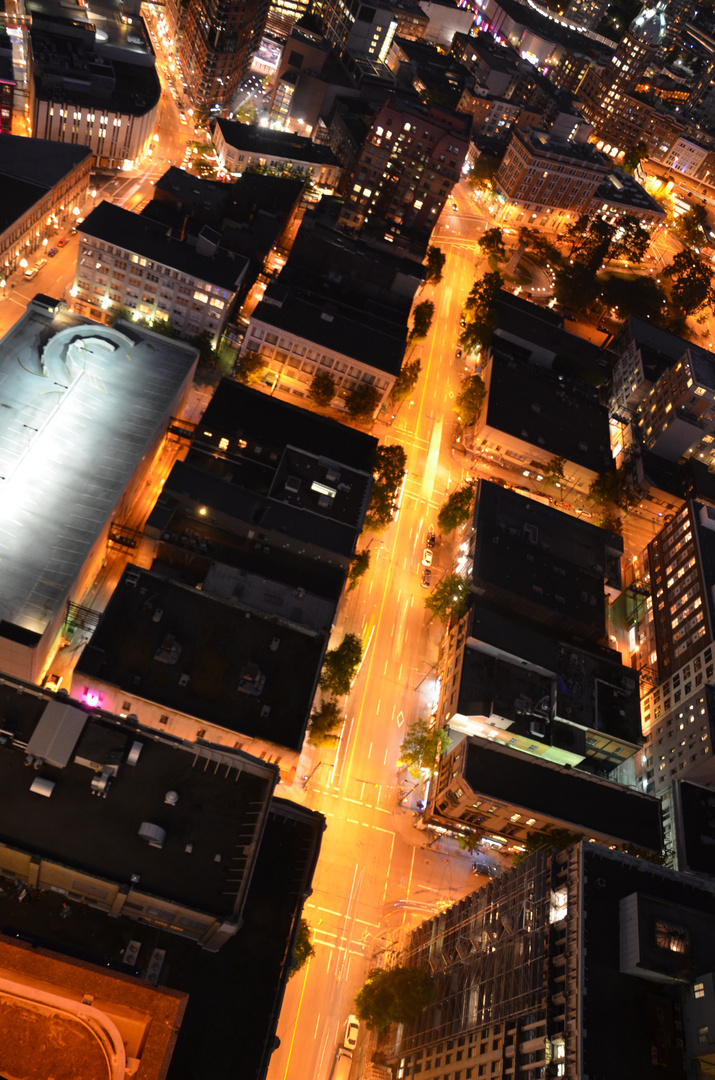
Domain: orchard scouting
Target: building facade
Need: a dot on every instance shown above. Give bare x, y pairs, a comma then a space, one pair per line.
219, 41
540, 172
240, 147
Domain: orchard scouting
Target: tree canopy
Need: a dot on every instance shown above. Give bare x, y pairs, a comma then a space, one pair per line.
325, 724
359, 565
456, 509
322, 388
492, 243
470, 399
421, 746
691, 278
362, 401
553, 471
435, 265
397, 995
388, 472
249, 368
406, 381
449, 599
607, 488
340, 666
422, 320
303, 949
480, 318
630, 240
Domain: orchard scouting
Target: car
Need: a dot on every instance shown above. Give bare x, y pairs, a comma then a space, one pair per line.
426, 579
462, 321
458, 354
53, 682
62, 241
431, 539
427, 557
351, 1033
52, 252
40, 263
182, 117
454, 206
31, 272
73, 230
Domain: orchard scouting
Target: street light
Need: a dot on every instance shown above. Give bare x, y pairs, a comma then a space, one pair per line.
3, 284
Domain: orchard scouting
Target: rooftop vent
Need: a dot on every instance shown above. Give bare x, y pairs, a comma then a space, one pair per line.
292, 484
153, 834
171, 798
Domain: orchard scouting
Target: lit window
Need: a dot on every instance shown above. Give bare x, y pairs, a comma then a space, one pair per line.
699, 990
201, 297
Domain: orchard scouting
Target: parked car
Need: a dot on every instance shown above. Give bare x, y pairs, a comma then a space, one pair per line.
52, 252
31, 272
62, 241
351, 1033
427, 557
459, 354
431, 539
454, 206
426, 579
40, 263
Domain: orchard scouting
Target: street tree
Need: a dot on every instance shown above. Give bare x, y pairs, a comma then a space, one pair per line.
470, 399
388, 473
449, 599
492, 243
303, 949
575, 285
691, 278
479, 314
325, 724
608, 489
470, 841
340, 666
406, 381
322, 388
422, 747
250, 367
362, 401
553, 471
435, 265
456, 509
393, 996
692, 225
576, 232
422, 320
634, 156
630, 241
611, 521
640, 296
359, 566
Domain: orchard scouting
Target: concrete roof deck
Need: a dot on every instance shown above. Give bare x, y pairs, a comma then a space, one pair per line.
215, 811
81, 404
216, 640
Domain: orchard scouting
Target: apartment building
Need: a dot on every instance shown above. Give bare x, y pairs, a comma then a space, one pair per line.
242, 146
127, 261
677, 418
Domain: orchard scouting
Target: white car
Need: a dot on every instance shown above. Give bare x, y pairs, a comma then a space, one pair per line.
351, 1033
427, 557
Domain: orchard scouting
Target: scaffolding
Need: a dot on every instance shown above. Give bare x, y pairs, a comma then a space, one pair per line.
488, 954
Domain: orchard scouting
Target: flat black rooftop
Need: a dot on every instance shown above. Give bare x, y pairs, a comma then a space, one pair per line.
218, 642
559, 415
581, 801
101, 835
258, 140
238, 412
29, 168
333, 325
542, 556
142, 236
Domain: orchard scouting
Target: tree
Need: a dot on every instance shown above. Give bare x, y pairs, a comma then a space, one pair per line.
406, 381
492, 243
340, 666
456, 509
470, 399
388, 472
481, 321
203, 342
691, 280
692, 225
640, 296
575, 285
322, 388
435, 265
120, 313
630, 240
421, 748
359, 565
553, 471
362, 401
469, 841
250, 367
422, 320
608, 487
634, 156
397, 995
449, 599
303, 949
612, 522
325, 724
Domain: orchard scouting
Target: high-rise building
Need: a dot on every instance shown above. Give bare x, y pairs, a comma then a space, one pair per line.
584, 962
219, 40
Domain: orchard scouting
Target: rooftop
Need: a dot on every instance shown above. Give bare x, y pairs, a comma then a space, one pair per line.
68, 452
621, 189
333, 325
534, 556
556, 413
581, 802
136, 233
258, 140
218, 792
29, 168
219, 661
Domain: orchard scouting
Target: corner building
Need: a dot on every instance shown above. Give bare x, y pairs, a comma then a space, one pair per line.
219, 40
